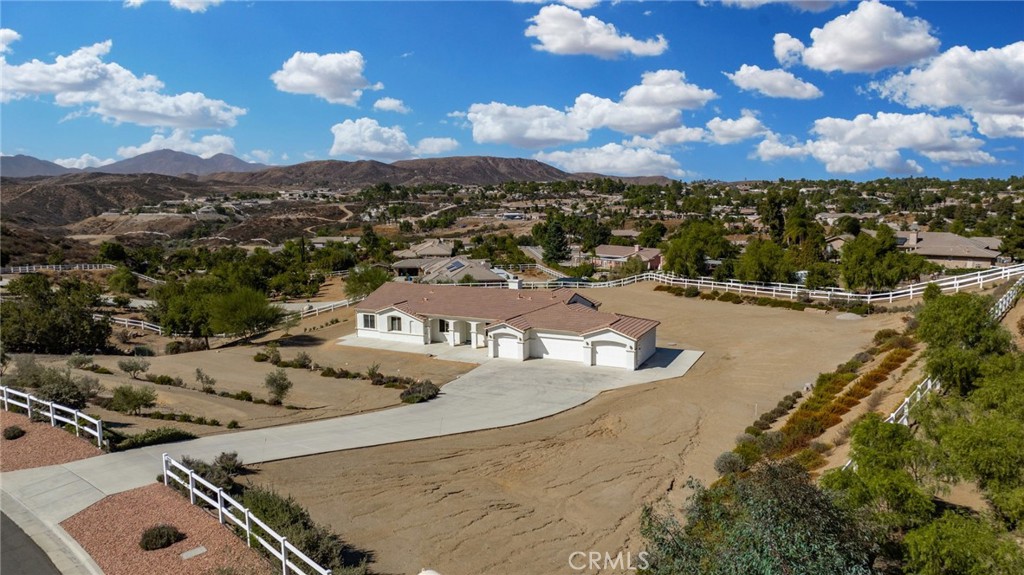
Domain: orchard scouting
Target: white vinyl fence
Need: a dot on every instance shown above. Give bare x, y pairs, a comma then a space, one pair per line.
71, 267
901, 415
237, 515
128, 322
58, 414
950, 284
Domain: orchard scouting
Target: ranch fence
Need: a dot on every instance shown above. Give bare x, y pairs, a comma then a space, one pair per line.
233, 514
901, 414
58, 414
71, 267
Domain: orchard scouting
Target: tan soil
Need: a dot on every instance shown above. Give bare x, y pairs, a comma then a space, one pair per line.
234, 369
1010, 321
41, 445
528, 496
110, 531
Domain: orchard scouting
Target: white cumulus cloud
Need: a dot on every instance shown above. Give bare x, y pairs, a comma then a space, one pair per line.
614, 159
871, 38
524, 127
391, 105
337, 78
670, 137
112, 92
365, 138
7, 37
562, 30
83, 161
776, 83
193, 6
577, 4
802, 5
731, 131
181, 141
261, 156
988, 84
787, 49
875, 142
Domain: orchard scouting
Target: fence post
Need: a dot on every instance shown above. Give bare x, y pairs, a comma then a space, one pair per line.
53, 416
99, 433
163, 463
284, 556
28, 402
220, 505
78, 430
6, 406
248, 529
192, 486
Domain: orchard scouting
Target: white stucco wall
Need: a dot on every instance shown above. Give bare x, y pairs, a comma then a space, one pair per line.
412, 328
554, 345
645, 347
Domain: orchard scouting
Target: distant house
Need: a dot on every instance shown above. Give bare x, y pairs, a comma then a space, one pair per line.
951, 250
321, 241
632, 234
431, 248
513, 324
448, 270
611, 257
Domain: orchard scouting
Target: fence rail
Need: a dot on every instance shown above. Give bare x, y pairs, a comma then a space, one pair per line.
329, 307
292, 559
58, 414
128, 322
71, 267
901, 414
791, 291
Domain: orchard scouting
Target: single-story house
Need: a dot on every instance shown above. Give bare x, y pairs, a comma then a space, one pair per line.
951, 250
430, 248
320, 242
611, 257
508, 323
448, 270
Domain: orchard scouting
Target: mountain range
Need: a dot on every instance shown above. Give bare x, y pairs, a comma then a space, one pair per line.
463, 170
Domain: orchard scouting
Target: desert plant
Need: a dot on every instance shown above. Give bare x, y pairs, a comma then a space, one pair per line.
79, 361
273, 353
13, 432
133, 366
278, 385
160, 537
132, 400
156, 436
205, 381
229, 462
233, 424
302, 360
730, 462
420, 392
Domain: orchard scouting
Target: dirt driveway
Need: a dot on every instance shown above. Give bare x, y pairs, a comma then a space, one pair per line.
522, 499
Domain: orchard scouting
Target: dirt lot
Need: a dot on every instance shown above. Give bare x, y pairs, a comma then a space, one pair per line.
1010, 321
530, 495
234, 369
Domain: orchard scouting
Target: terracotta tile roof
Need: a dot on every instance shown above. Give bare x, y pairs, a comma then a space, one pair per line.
625, 252
520, 309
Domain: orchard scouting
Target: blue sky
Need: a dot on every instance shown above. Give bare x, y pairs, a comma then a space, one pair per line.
724, 90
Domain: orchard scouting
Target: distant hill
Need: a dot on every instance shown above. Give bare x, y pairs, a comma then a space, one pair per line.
22, 166
164, 162
171, 163
462, 170
60, 200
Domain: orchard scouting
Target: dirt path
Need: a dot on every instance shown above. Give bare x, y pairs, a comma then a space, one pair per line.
530, 495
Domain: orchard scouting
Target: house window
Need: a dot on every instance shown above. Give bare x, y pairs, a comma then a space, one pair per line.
394, 323
443, 326
369, 321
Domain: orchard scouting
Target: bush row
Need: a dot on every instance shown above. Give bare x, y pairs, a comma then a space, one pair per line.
185, 346
767, 418
121, 442
321, 326
164, 380
730, 297
181, 418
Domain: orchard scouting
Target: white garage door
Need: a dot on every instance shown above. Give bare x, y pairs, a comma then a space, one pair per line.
507, 346
552, 346
611, 354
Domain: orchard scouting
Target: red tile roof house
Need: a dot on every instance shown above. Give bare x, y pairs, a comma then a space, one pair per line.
610, 257
514, 324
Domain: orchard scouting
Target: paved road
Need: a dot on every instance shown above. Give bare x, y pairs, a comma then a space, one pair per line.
19, 554
492, 395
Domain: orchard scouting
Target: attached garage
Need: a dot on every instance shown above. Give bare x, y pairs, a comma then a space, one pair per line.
611, 354
555, 346
507, 345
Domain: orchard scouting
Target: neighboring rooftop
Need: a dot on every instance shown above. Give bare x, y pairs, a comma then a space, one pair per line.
609, 252
430, 248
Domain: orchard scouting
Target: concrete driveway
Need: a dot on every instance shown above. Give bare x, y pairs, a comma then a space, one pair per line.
498, 393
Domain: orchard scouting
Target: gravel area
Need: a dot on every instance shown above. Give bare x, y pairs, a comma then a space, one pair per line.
110, 531
41, 445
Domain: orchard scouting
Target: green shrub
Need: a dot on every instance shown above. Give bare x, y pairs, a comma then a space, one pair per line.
133, 366
13, 432
302, 360
884, 335
752, 430
160, 537
730, 462
260, 357
143, 351
132, 400
419, 392
691, 291
79, 361
233, 424
100, 369
278, 385
328, 372
165, 380
730, 297
156, 436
